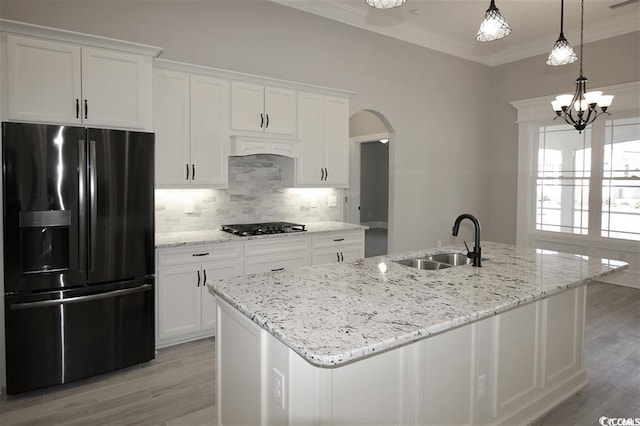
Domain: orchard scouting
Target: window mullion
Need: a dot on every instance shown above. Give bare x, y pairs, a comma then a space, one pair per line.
595, 183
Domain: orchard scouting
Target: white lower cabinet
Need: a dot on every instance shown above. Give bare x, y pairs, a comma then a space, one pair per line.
276, 254
186, 308
507, 369
337, 247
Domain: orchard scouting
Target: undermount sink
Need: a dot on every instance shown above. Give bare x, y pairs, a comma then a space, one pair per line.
453, 259
435, 262
423, 263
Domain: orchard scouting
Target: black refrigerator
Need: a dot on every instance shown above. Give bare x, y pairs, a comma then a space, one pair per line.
78, 252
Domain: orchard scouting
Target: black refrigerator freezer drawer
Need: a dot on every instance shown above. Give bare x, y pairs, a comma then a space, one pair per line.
58, 337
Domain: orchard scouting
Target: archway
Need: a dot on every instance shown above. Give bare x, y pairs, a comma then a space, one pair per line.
369, 196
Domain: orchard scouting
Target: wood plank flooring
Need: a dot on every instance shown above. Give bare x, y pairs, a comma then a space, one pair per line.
177, 388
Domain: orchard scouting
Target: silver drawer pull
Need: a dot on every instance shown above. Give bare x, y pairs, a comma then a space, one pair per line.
200, 254
338, 239
277, 269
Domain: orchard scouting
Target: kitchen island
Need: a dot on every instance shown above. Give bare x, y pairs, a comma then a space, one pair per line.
376, 342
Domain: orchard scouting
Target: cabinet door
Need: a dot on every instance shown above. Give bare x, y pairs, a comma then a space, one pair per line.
213, 271
114, 88
247, 106
336, 141
280, 110
209, 121
179, 299
311, 133
171, 125
326, 255
44, 81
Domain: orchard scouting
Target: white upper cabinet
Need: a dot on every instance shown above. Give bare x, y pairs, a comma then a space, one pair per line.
57, 82
323, 130
114, 88
263, 109
44, 82
191, 124
171, 116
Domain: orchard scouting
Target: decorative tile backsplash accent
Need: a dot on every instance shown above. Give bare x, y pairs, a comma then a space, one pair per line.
255, 194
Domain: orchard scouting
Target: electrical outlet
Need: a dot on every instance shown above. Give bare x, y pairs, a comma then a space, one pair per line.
278, 389
332, 201
481, 386
188, 206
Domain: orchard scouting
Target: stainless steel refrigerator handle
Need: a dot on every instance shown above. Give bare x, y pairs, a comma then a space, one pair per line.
93, 204
82, 207
107, 295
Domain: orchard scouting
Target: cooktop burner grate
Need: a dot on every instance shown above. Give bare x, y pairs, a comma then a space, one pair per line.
246, 229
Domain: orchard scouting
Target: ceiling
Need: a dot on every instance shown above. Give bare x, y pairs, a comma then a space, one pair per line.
450, 26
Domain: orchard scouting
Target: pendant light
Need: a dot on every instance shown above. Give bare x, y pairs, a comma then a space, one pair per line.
494, 26
562, 52
385, 4
581, 108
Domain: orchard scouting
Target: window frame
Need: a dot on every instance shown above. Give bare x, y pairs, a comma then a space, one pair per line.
537, 112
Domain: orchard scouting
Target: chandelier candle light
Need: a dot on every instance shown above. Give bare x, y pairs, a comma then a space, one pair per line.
385, 4
562, 53
494, 26
581, 108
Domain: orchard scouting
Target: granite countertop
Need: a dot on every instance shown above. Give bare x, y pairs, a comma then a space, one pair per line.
177, 239
333, 314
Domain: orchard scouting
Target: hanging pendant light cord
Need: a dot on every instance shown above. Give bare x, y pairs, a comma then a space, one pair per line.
561, 17
581, 35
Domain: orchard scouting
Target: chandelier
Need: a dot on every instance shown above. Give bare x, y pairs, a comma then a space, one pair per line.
493, 26
581, 109
385, 4
562, 53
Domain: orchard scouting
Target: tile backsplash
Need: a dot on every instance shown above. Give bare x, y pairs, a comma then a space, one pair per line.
255, 194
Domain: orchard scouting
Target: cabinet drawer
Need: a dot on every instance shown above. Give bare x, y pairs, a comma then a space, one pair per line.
198, 254
276, 262
337, 239
276, 245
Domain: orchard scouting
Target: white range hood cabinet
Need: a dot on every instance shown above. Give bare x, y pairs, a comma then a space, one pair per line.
250, 145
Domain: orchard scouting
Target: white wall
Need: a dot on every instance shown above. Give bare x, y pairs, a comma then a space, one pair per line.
434, 102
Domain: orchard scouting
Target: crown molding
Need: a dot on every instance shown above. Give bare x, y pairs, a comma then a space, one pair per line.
33, 30
355, 16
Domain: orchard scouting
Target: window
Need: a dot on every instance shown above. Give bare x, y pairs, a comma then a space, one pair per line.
621, 180
565, 178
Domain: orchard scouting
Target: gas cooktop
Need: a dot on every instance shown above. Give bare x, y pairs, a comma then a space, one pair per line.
246, 229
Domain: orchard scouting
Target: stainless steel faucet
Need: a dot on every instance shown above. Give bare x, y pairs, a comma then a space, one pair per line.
476, 254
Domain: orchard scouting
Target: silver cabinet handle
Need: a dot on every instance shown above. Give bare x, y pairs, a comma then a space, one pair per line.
198, 278
277, 269
267, 125
200, 254
261, 120
193, 171
338, 256
341, 257
338, 239
86, 109
187, 171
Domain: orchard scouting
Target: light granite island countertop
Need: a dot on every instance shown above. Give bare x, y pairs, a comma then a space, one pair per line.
335, 320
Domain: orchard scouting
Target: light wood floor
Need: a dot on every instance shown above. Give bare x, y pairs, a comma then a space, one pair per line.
177, 388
